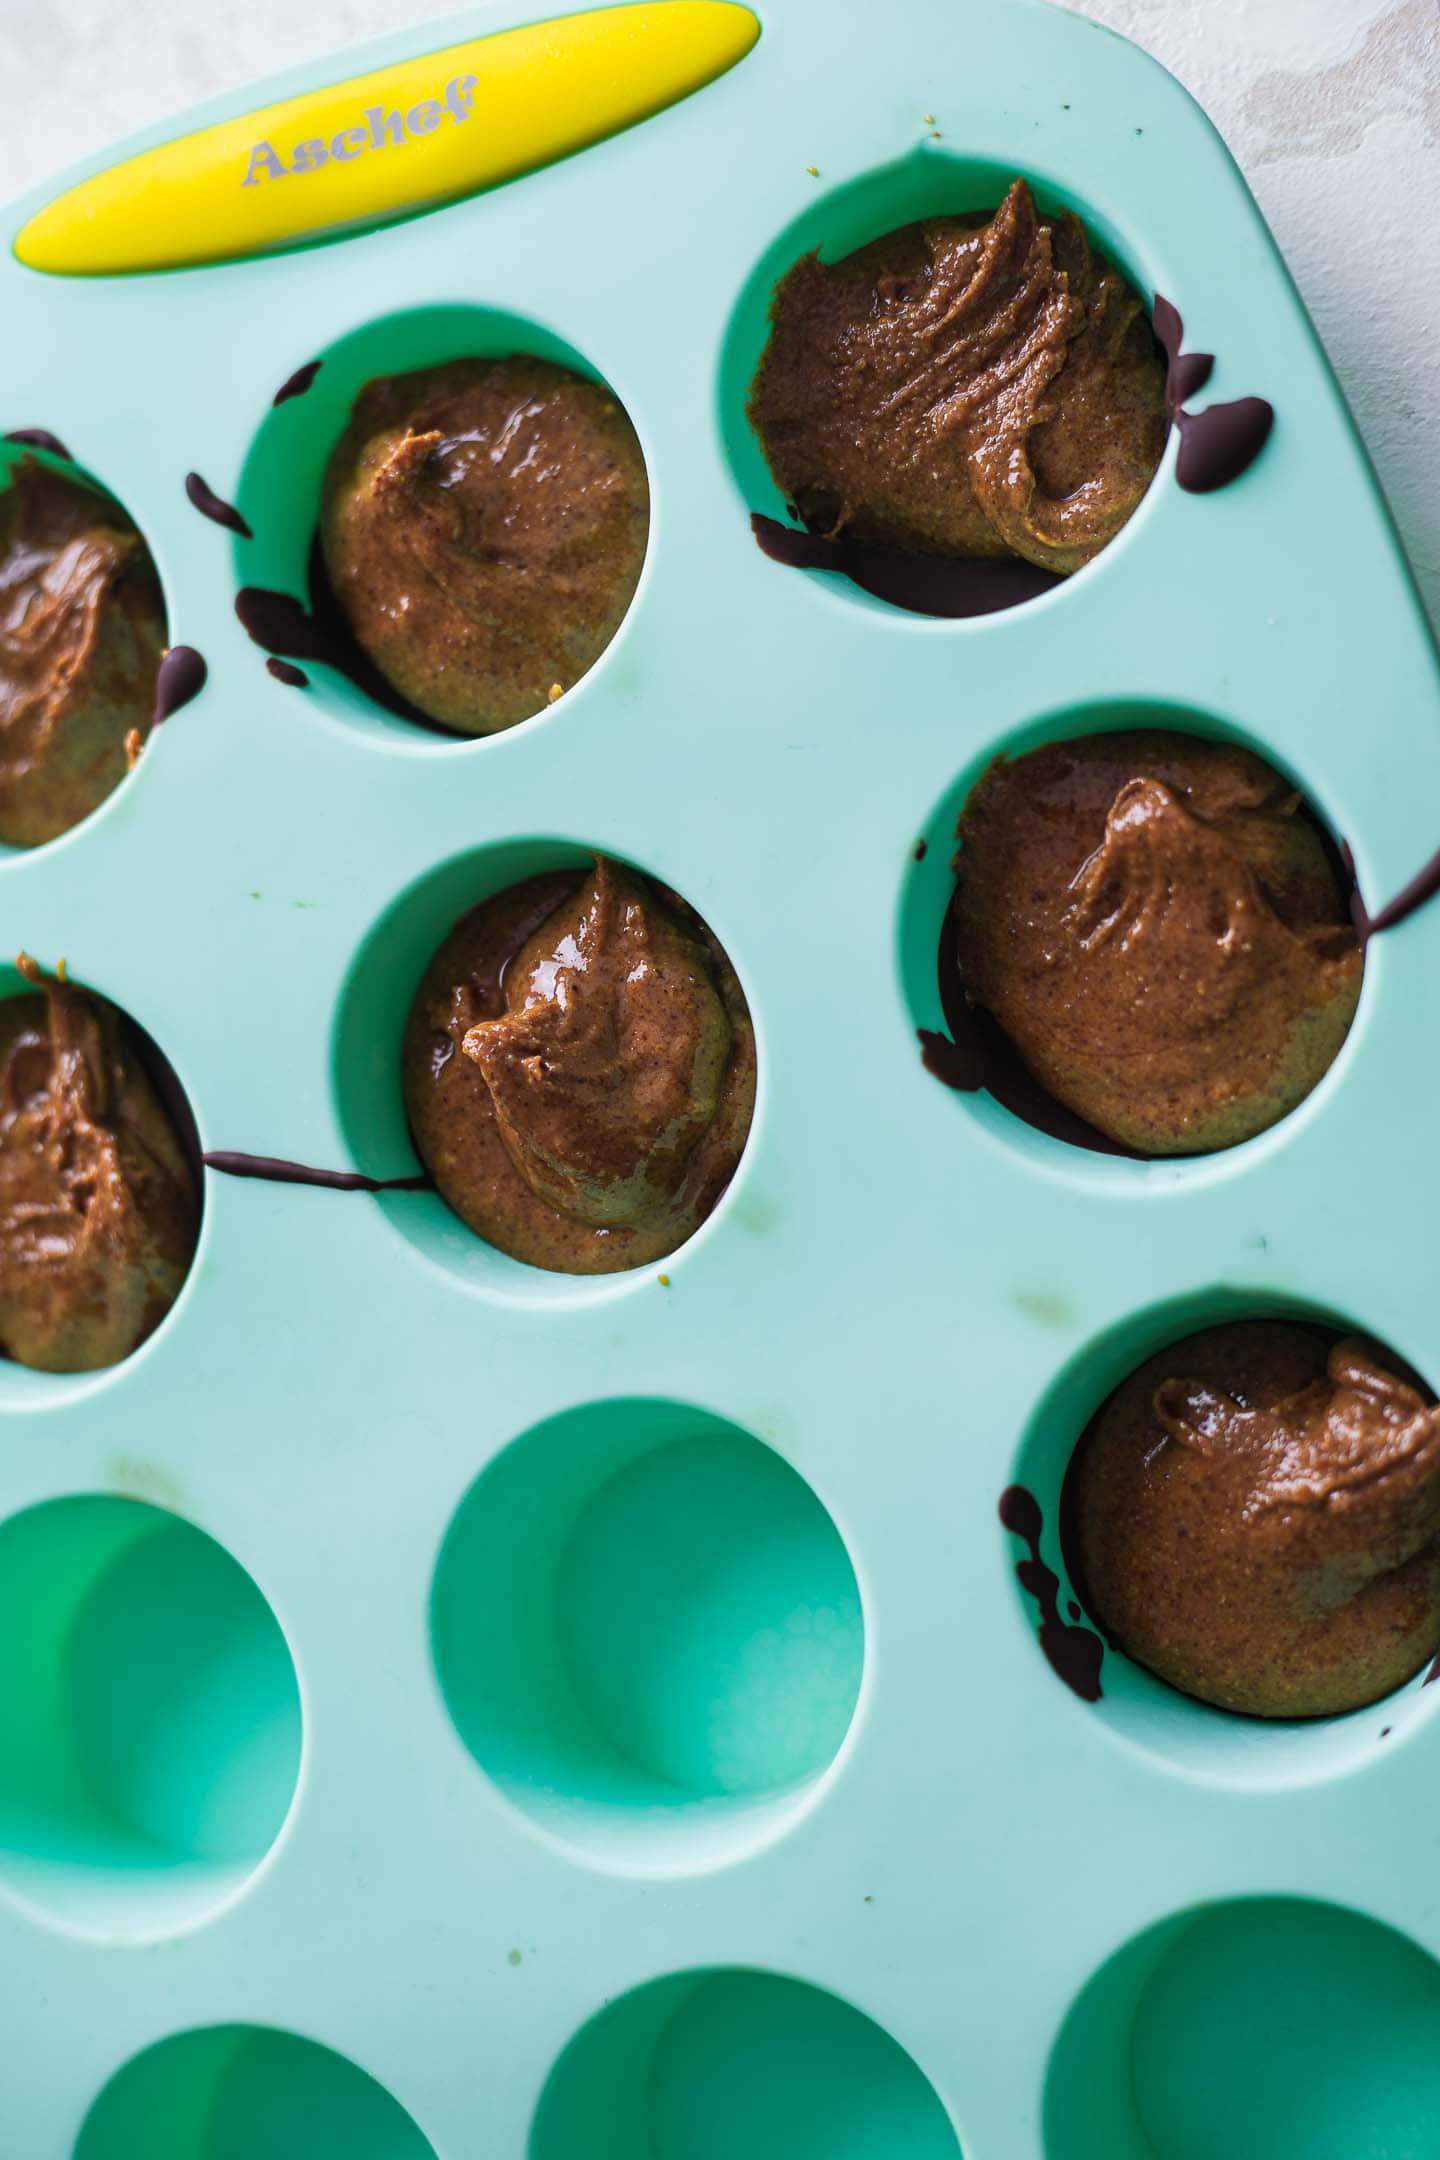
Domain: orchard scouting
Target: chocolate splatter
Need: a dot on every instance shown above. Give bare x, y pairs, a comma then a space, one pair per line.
321, 631
279, 619
214, 506
922, 849
978, 1056
297, 384
945, 585
276, 1171
181, 677
39, 438
1410, 898
1223, 441
285, 671
1074, 1652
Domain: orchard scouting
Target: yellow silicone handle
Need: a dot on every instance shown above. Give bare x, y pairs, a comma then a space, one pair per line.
425, 131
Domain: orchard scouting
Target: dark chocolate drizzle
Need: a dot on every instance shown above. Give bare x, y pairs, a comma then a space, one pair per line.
181, 677
297, 384
945, 585
1074, 1652
279, 620
284, 625
1223, 441
39, 438
1408, 901
978, 1056
285, 671
214, 506
275, 1171
922, 849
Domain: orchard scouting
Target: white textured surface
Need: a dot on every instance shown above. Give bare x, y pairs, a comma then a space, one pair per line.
1331, 106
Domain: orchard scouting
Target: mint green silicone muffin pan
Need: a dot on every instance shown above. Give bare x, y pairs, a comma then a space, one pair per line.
449, 1709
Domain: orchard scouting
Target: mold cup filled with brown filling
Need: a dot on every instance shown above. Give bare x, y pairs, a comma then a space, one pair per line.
1162, 931
1254, 1515
99, 1198
983, 386
82, 633
579, 1070
483, 528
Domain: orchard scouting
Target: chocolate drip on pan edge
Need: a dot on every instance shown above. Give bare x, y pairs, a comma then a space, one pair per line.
285, 627
1075, 1653
275, 1170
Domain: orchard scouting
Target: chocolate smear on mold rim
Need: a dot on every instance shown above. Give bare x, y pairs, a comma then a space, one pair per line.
181, 677
215, 507
286, 671
952, 587
978, 1057
1075, 1653
287, 628
1220, 442
1217, 445
297, 384
275, 1170
39, 438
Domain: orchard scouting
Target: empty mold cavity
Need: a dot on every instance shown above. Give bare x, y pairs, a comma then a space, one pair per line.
1252, 2029
1142, 1711
930, 182
23, 1388
246, 2092
149, 1718
11, 454
648, 1633
280, 486
715, 2064
366, 1044
921, 952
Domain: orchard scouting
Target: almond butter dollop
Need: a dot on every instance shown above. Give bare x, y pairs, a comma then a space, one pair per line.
1157, 924
99, 1209
82, 633
1255, 1516
986, 385
580, 1070
484, 526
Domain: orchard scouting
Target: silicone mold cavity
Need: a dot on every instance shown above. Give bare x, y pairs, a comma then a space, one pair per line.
932, 181
925, 896
233, 2089
149, 1718
366, 1064
1139, 1709
23, 1389
11, 454
280, 485
648, 1633
709, 2065
1252, 2028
